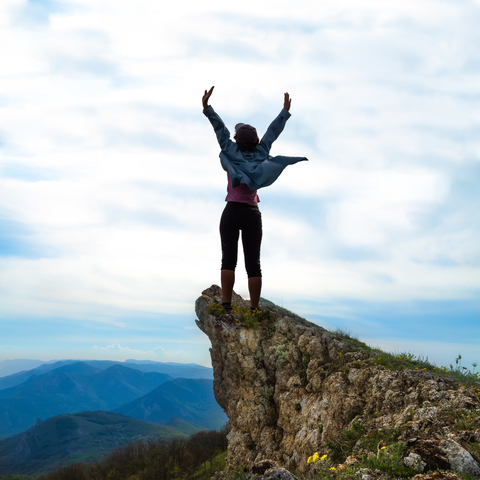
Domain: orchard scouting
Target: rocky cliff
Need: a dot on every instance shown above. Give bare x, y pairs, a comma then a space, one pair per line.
292, 389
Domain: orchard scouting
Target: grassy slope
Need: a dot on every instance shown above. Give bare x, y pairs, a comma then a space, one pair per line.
65, 439
188, 428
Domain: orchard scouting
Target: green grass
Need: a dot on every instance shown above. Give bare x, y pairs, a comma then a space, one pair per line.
342, 447
207, 469
388, 458
463, 419
409, 361
244, 316
390, 462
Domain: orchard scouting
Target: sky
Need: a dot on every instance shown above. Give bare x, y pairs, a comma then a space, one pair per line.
111, 188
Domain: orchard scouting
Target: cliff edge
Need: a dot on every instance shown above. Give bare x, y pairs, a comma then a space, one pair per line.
291, 388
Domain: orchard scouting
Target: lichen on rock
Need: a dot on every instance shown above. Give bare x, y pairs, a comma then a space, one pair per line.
291, 388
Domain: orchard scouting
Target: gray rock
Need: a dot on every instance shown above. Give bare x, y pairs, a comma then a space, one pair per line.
277, 473
414, 461
460, 460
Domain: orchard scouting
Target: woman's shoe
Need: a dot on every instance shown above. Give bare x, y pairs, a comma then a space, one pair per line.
227, 307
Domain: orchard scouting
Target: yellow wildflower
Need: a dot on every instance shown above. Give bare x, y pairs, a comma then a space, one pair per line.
333, 469
383, 448
309, 460
315, 457
324, 458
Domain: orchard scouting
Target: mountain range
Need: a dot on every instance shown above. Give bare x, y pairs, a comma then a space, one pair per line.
71, 388
61, 412
19, 374
81, 386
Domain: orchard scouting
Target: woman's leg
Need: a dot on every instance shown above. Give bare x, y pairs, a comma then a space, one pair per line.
229, 233
255, 289
252, 239
228, 281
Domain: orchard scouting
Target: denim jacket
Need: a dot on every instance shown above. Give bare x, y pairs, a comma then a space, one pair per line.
258, 168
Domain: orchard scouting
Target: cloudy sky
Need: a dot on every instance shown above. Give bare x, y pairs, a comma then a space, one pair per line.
111, 188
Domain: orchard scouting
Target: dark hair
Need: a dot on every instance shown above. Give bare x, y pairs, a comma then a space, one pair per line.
247, 147
246, 137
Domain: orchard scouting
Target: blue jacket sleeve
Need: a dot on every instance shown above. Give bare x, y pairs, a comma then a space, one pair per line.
221, 131
274, 130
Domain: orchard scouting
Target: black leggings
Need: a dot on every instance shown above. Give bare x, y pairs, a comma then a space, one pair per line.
235, 217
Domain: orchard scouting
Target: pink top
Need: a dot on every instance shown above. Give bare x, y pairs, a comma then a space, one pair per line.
241, 193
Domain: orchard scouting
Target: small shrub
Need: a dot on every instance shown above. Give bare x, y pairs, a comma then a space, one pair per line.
306, 361
383, 359
354, 433
281, 355
390, 460
267, 394
252, 317
270, 329
335, 449
215, 309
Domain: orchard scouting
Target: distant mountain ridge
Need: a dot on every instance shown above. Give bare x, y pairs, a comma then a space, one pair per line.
72, 388
10, 367
175, 370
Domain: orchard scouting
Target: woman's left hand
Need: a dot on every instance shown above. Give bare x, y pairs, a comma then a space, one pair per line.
206, 97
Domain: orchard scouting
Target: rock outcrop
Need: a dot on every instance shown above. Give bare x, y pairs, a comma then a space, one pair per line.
290, 388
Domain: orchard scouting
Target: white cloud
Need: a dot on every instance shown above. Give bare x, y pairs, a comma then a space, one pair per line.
108, 160
118, 352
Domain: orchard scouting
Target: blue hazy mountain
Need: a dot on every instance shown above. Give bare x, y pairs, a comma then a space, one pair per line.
71, 388
175, 370
188, 399
20, 377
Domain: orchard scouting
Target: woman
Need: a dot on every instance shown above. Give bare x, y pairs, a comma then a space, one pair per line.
249, 167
